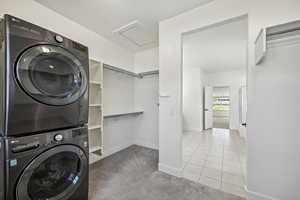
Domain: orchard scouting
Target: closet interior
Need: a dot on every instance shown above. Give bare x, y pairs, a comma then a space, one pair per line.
114, 111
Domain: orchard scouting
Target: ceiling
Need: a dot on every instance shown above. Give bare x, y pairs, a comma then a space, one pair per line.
132, 24
217, 48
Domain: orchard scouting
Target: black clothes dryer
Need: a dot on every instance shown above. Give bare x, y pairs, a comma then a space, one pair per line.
44, 79
48, 166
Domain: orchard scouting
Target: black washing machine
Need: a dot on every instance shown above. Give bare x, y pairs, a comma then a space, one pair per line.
44, 79
50, 166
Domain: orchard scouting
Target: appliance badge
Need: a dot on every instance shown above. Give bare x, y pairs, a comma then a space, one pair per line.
13, 163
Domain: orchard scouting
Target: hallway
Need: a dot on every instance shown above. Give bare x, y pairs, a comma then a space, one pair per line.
216, 158
221, 122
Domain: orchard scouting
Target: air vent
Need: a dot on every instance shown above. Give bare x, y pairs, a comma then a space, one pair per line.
135, 33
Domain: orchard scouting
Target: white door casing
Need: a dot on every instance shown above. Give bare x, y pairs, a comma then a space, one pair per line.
243, 110
208, 112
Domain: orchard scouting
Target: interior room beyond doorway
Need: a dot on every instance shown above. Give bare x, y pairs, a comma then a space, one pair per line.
214, 73
221, 107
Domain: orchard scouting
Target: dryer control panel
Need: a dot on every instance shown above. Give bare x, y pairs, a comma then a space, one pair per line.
25, 147
78, 136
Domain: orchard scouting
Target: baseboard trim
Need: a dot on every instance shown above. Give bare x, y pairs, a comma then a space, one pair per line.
115, 149
146, 144
251, 195
170, 170
192, 130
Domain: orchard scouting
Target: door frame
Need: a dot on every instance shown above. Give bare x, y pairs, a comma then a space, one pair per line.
170, 115
230, 97
204, 107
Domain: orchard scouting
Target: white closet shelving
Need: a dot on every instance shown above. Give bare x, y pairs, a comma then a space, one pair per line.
95, 124
119, 91
106, 116
112, 98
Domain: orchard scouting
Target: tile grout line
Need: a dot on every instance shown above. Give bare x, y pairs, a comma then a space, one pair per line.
209, 143
189, 162
201, 166
222, 166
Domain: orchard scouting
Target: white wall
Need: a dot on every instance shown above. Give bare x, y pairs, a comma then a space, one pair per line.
192, 99
118, 92
234, 80
118, 97
124, 93
100, 48
146, 99
221, 91
118, 134
146, 60
264, 179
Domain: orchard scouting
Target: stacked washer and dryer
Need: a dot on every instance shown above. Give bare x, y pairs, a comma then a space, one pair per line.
44, 112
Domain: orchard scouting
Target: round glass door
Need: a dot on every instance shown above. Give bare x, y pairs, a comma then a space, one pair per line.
54, 175
51, 75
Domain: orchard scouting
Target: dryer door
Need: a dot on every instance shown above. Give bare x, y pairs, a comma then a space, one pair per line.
51, 75
54, 175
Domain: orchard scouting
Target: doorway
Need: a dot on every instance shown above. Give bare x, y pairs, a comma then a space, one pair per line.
221, 107
214, 71
216, 106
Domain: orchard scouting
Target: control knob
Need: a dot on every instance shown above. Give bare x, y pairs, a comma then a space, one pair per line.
58, 137
59, 39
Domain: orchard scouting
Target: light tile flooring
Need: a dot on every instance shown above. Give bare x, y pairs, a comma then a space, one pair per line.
216, 158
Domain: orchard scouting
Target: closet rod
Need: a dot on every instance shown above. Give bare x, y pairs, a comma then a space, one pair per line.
116, 69
149, 73
137, 75
283, 28
123, 114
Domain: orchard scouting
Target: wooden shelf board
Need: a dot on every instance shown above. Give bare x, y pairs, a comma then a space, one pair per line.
95, 148
94, 127
95, 105
96, 82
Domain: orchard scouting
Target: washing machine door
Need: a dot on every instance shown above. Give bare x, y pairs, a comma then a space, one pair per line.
54, 175
51, 75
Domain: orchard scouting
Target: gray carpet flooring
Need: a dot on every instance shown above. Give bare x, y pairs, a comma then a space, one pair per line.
132, 175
